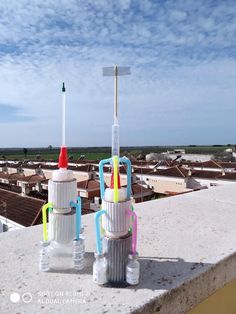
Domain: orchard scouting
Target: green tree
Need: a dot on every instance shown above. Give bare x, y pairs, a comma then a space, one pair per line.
25, 151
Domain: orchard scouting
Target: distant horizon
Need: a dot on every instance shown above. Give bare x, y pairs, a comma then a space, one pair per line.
109, 147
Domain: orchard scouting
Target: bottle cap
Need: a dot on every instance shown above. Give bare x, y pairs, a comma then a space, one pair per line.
63, 159
45, 243
96, 255
133, 256
78, 241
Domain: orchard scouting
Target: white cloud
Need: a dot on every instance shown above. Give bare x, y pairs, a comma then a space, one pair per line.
181, 54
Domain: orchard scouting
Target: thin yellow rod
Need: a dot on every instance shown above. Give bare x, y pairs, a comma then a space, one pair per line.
44, 213
116, 194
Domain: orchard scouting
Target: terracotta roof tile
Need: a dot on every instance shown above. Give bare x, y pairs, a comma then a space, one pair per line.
34, 178
31, 166
228, 176
49, 167
11, 165
138, 189
142, 170
84, 168
11, 176
171, 172
204, 174
211, 164
21, 209
4, 175
88, 184
227, 164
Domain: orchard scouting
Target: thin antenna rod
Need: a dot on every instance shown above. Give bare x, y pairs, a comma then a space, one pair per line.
115, 71
116, 95
63, 115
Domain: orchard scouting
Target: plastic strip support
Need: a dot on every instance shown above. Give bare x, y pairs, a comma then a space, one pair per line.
97, 228
124, 160
78, 206
44, 214
134, 230
101, 174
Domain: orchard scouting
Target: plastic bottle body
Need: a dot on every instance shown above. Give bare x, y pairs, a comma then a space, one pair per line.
100, 269
78, 253
132, 270
44, 258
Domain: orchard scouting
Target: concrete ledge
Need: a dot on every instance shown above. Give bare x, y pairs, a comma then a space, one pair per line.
187, 247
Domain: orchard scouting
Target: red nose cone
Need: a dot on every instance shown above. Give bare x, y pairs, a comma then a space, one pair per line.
63, 159
112, 181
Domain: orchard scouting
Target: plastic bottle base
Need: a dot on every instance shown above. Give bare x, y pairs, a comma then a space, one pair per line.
78, 267
132, 283
44, 269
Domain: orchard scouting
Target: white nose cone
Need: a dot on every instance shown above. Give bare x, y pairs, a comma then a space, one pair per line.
109, 195
62, 174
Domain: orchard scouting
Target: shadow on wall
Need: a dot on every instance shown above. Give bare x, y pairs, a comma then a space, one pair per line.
163, 273
160, 273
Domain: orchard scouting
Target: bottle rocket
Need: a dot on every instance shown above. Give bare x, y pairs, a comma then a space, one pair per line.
64, 237
118, 222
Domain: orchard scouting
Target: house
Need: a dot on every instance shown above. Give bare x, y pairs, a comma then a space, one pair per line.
29, 183
88, 188
14, 167
167, 181
11, 178
84, 172
3, 167
17, 211
140, 193
32, 168
204, 178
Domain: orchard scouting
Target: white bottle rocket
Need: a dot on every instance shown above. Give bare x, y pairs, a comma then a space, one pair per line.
64, 211
63, 174
116, 212
62, 188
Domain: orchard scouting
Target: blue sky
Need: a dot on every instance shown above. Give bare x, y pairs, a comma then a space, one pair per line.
181, 89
